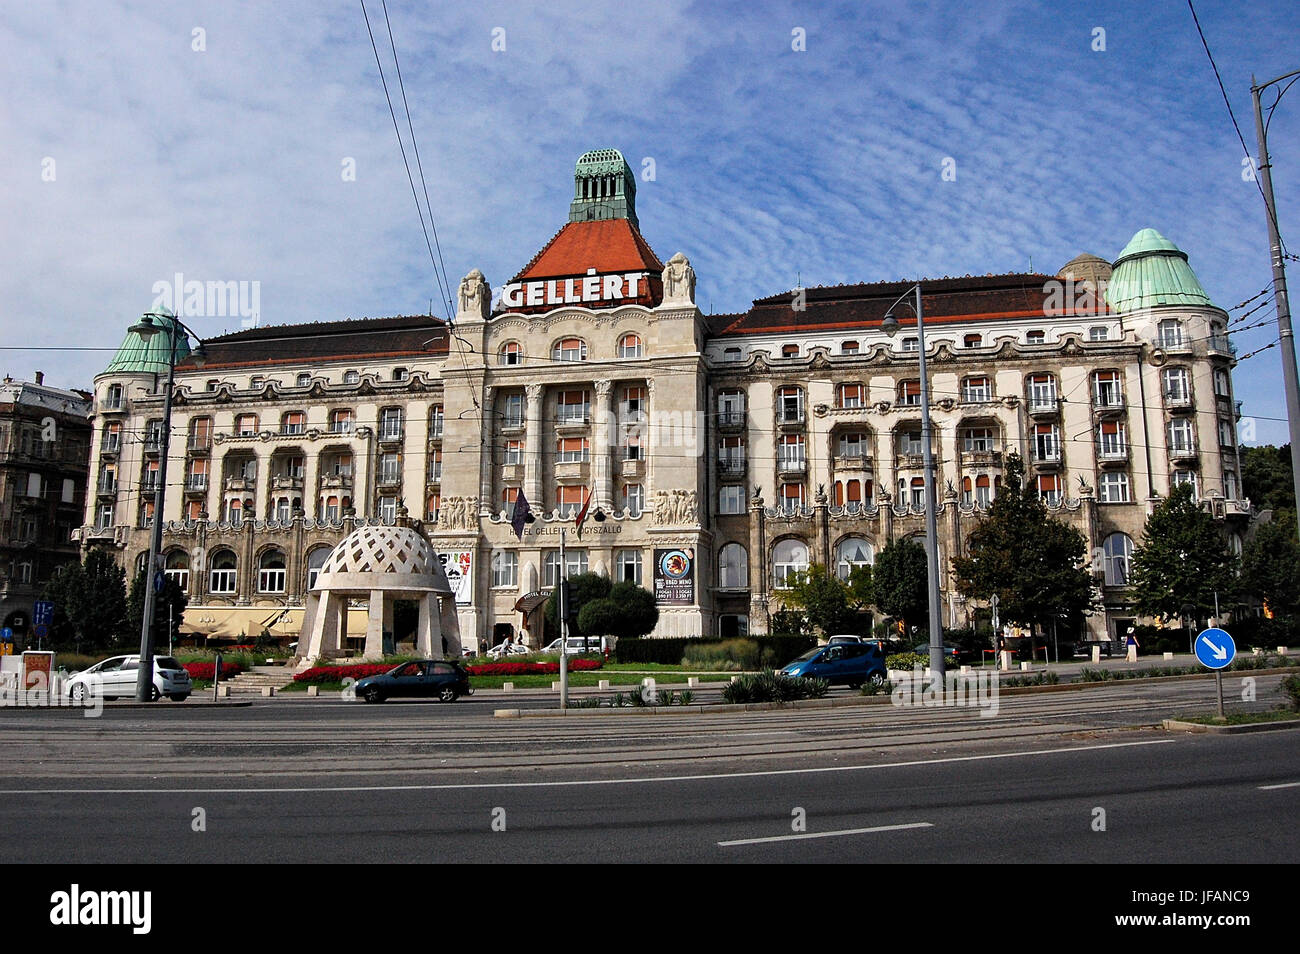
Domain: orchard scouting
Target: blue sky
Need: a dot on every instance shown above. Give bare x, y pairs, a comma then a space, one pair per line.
225, 163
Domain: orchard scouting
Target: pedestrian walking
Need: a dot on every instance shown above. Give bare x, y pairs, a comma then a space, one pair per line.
1132, 644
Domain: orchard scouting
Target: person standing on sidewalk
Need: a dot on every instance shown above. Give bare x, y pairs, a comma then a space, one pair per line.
1132, 644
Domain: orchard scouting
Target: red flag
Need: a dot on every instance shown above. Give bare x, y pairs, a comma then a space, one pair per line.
582, 514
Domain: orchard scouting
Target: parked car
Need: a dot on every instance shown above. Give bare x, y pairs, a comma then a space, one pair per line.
504, 649
952, 655
578, 646
844, 639
1084, 649
443, 679
115, 678
849, 664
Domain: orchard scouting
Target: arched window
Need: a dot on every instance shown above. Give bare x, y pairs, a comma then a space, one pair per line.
1117, 551
351, 377
789, 558
177, 569
270, 572
733, 567
569, 349
221, 578
629, 346
850, 553
511, 353
315, 560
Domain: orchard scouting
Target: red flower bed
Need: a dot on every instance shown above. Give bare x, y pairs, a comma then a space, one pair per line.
530, 669
205, 670
339, 673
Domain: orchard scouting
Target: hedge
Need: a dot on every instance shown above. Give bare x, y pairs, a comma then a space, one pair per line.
670, 650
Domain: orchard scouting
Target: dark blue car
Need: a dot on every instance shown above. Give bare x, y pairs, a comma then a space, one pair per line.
443, 679
850, 664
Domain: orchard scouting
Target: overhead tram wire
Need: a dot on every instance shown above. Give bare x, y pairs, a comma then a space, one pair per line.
405, 162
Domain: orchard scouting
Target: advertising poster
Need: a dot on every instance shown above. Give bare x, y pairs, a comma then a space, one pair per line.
459, 566
675, 576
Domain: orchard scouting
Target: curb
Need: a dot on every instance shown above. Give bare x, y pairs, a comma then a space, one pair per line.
1177, 725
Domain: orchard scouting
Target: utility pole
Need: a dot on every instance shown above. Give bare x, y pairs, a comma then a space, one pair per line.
562, 611
1287, 338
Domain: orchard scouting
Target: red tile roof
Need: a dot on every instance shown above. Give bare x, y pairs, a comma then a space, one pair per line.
607, 245
943, 300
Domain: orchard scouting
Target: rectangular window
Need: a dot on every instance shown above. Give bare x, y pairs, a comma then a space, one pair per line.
972, 341
575, 563
570, 500
34, 482
853, 444
731, 499
1113, 488
909, 442
69, 490
633, 499
512, 412
790, 405
1042, 391
388, 510
246, 425
573, 450
435, 422
909, 394
1113, 440
976, 390
1035, 337
573, 407
1098, 333
977, 440
505, 568
792, 497
628, 567
513, 452
853, 395
1106, 389
1049, 488
791, 450
390, 424
1047, 442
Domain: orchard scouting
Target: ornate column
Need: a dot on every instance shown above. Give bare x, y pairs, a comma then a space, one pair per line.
533, 448
759, 621
488, 501
607, 429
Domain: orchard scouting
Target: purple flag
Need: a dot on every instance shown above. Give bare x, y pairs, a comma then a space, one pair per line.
520, 514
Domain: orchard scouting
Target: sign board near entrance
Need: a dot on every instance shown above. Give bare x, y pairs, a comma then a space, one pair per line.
675, 576
459, 567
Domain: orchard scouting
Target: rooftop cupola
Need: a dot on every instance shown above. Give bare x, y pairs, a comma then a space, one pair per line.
603, 188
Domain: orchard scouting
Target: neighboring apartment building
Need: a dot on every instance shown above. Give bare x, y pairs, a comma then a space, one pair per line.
44, 448
723, 452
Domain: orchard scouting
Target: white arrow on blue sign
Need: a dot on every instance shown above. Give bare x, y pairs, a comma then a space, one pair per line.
1215, 649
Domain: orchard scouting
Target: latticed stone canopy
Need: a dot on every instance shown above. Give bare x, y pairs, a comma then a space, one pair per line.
372, 558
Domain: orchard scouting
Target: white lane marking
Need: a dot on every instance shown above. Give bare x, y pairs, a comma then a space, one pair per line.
573, 783
1268, 788
822, 834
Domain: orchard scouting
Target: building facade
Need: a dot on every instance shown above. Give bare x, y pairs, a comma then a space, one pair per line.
44, 444
720, 453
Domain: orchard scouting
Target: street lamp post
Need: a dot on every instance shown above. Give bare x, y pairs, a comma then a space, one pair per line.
890, 327
1287, 338
146, 329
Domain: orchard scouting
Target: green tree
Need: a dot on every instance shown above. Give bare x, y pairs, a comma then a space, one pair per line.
1270, 564
790, 622
629, 611
901, 583
829, 603
89, 603
171, 598
583, 589
1183, 558
1266, 477
1037, 565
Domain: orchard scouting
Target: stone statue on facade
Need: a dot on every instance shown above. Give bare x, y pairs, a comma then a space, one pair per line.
458, 513
475, 296
679, 280
674, 508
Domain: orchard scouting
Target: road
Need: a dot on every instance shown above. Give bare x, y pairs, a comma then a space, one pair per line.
326, 781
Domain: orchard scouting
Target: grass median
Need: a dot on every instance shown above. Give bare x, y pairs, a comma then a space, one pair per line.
589, 679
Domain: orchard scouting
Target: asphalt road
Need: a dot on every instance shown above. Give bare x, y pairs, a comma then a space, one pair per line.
422, 782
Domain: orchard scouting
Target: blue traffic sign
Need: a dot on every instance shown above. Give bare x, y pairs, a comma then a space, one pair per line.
43, 612
6, 635
1215, 649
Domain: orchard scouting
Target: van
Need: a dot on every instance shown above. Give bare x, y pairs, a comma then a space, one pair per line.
577, 646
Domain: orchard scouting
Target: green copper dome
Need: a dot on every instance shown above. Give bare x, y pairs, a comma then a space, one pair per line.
1153, 271
139, 355
603, 187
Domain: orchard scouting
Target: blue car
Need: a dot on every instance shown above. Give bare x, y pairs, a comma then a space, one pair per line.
849, 664
443, 679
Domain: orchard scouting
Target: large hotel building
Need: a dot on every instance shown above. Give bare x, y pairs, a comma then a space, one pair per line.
724, 452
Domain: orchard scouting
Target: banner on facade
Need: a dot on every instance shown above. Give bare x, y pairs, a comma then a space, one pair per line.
675, 576
459, 566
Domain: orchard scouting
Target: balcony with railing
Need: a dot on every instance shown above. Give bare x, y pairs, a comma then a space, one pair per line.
196, 483
856, 461
106, 486
199, 443
1113, 454
1107, 402
287, 482
389, 477
1178, 398
1184, 450
733, 466
241, 483
731, 420
981, 456
792, 465
1046, 455
1042, 404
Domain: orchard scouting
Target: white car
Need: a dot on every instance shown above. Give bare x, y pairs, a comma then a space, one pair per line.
578, 646
502, 650
116, 677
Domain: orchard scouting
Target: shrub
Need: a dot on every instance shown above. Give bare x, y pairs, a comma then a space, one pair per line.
1291, 692
686, 697
730, 655
907, 661
874, 689
207, 670
769, 687
1095, 675
669, 651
